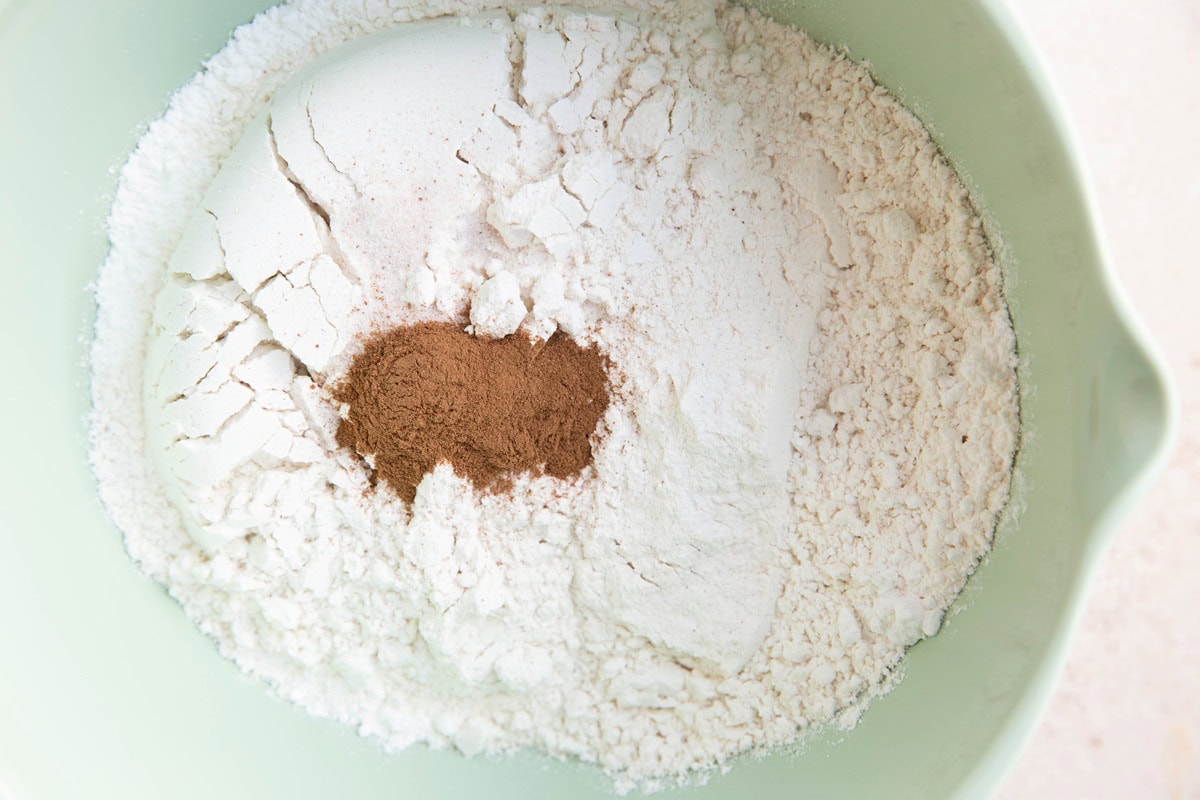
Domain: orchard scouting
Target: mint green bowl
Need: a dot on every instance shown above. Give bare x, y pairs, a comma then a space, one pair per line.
107, 691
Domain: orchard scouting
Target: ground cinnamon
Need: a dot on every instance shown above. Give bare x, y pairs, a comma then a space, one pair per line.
492, 408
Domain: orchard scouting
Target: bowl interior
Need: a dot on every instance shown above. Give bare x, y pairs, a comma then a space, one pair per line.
107, 690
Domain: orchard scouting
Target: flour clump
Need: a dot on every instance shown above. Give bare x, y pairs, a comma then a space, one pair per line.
783, 458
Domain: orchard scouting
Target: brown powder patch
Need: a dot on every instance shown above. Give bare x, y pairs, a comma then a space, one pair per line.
491, 408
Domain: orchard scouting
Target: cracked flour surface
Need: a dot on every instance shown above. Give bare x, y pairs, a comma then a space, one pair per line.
814, 408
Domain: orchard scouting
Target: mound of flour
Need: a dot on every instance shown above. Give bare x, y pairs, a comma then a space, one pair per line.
814, 407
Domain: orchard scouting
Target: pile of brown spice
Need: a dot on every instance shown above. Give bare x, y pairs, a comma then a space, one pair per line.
429, 393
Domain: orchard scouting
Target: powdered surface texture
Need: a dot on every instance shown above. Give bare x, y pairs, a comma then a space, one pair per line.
813, 411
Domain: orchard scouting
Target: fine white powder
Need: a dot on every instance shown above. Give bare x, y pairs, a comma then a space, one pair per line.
813, 419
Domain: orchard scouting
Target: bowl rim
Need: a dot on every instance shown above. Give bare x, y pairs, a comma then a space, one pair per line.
1023, 721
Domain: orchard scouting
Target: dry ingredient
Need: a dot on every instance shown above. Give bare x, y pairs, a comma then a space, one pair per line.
431, 393
804, 457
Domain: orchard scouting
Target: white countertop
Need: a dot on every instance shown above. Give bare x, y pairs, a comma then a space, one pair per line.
1125, 722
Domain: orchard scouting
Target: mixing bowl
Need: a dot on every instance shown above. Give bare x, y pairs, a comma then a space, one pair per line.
106, 690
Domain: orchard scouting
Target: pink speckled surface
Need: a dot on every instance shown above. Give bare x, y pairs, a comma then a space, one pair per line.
1125, 721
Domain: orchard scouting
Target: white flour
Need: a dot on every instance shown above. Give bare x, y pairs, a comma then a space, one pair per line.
767, 525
